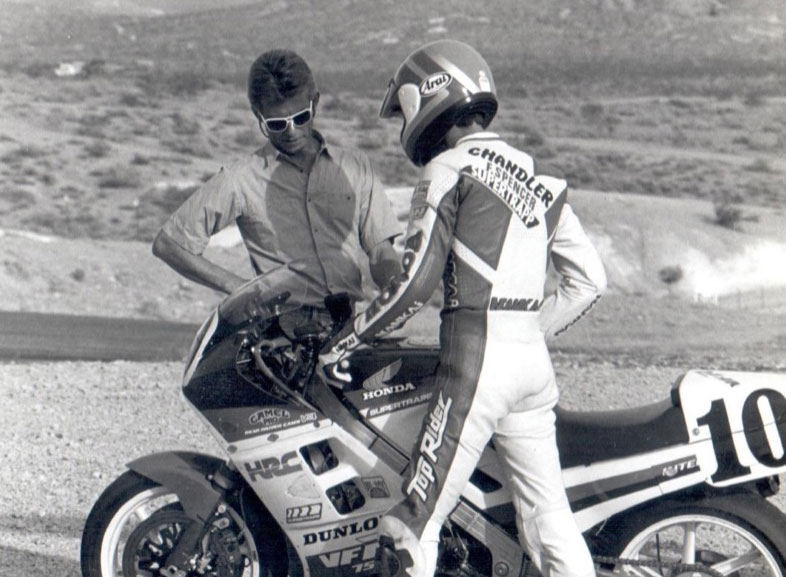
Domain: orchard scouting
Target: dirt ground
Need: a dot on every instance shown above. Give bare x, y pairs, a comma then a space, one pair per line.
69, 428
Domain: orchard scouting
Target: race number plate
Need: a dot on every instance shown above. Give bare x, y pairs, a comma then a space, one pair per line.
743, 415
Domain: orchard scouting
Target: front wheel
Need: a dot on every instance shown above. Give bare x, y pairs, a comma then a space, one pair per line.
740, 535
136, 523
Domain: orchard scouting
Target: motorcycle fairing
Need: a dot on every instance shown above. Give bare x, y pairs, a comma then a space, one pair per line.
600, 490
329, 539
242, 423
741, 418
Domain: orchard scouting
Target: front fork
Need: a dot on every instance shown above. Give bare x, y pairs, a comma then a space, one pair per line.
184, 558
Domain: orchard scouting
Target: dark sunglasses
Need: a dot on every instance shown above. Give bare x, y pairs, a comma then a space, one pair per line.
298, 119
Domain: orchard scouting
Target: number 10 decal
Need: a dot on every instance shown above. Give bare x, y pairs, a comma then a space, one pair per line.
766, 445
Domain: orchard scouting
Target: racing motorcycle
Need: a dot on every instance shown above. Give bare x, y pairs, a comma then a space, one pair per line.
675, 487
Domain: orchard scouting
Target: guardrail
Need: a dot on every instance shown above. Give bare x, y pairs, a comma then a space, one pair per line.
762, 298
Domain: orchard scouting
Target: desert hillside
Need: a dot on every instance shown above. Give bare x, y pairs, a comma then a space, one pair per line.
668, 120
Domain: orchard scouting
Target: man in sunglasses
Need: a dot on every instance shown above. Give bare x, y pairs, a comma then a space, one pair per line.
294, 199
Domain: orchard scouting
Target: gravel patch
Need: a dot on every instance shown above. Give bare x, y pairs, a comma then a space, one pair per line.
70, 427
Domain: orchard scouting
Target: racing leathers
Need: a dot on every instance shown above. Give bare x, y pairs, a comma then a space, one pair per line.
486, 224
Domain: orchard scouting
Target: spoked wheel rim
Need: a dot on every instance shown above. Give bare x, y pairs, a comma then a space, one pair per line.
134, 513
721, 545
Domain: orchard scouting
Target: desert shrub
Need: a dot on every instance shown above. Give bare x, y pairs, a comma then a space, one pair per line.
19, 198
247, 138
191, 147
92, 125
240, 103
592, 111
39, 70
727, 214
149, 309
754, 99
759, 165
78, 274
140, 160
22, 153
371, 141
233, 119
187, 83
72, 192
343, 104
679, 103
118, 176
671, 274
130, 100
167, 197
183, 125
42, 222
533, 138
97, 149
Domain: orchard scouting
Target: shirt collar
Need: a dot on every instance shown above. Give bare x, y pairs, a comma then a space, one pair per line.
483, 135
269, 149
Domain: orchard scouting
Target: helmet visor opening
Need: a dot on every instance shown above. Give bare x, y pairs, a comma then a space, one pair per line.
390, 105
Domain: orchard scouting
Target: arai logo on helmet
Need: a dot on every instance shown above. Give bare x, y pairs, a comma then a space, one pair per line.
435, 83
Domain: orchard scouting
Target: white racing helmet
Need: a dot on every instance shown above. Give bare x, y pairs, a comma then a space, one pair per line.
435, 86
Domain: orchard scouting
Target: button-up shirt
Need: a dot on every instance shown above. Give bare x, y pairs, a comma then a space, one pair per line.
333, 214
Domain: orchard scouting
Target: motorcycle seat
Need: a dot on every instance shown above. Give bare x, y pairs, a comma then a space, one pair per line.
587, 437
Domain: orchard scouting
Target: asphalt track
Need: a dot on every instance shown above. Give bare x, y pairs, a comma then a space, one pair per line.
58, 337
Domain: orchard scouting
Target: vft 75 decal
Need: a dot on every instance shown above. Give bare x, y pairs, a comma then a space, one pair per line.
743, 415
349, 562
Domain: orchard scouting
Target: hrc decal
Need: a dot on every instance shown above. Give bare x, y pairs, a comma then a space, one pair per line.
273, 466
304, 513
432, 440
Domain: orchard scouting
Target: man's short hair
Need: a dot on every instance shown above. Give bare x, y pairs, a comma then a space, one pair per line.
276, 76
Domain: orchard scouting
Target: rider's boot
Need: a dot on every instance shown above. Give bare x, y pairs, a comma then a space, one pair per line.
399, 553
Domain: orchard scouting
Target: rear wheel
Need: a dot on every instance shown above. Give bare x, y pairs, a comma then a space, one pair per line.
740, 535
135, 524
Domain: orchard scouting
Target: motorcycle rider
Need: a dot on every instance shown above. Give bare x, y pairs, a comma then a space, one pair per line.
296, 198
485, 222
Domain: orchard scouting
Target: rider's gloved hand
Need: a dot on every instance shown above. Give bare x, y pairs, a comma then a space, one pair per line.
329, 365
